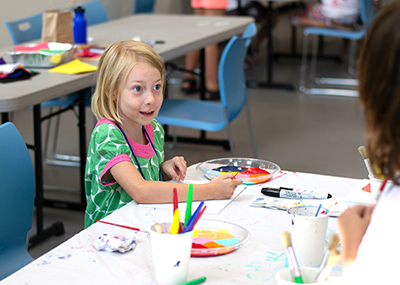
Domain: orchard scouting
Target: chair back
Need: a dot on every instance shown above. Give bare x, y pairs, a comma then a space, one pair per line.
17, 192
25, 30
143, 6
94, 12
231, 77
367, 13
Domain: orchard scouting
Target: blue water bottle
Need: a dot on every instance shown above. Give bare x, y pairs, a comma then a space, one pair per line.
80, 26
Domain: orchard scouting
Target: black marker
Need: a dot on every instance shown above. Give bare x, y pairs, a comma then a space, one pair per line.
287, 193
153, 42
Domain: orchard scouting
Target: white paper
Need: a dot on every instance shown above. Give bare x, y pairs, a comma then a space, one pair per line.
214, 207
358, 195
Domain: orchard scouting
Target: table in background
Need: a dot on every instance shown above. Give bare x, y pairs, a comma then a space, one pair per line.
256, 263
181, 33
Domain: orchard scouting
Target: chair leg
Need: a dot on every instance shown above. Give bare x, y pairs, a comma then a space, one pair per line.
253, 144
352, 48
228, 129
314, 58
303, 67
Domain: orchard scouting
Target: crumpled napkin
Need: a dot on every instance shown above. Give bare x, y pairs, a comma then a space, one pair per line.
122, 243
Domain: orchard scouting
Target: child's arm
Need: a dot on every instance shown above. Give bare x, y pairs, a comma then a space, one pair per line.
142, 191
353, 224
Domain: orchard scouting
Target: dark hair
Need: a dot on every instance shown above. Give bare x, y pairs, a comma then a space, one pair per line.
379, 76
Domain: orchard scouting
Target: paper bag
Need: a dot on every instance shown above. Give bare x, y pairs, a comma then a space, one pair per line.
57, 27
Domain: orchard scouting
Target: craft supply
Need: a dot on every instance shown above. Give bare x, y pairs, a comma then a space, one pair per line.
195, 281
319, 208
290, 194
287, 242
334, 241
175, 199
199, 216
122, 226
158, 228
120, 243
175, 223
380, 191
189, 204
153, 42
334, 258
363, 151
189, 225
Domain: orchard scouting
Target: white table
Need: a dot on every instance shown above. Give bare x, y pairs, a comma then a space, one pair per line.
182, 34
76, 261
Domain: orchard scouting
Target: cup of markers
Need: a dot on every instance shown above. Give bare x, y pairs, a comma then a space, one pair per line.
171, 243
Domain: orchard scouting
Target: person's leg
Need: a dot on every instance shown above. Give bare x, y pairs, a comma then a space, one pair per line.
189, 83
212, 60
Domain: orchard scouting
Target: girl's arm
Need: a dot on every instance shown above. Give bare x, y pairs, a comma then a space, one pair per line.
142, 191
353, 224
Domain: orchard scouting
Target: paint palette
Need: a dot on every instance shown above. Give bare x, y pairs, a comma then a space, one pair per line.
250, 170
213, 237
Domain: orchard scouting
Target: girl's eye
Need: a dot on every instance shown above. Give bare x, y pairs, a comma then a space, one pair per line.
157, 87
137, 88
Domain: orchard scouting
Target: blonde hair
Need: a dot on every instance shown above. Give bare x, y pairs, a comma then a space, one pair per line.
115, 65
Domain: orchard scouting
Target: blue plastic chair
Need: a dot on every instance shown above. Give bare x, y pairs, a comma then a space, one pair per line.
17, 200
143, 6
214, 116
26, 29
367, 16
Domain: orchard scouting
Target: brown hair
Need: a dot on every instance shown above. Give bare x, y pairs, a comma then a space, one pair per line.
115, 65
379, 76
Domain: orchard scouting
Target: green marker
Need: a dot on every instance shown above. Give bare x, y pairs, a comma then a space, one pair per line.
195, 281
188, 213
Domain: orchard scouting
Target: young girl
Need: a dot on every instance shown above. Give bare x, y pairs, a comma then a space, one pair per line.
370, 234
125, 156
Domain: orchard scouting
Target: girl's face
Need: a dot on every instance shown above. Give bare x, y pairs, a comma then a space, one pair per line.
142, 96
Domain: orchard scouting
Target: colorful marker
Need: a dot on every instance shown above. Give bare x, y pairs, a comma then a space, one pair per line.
195, 281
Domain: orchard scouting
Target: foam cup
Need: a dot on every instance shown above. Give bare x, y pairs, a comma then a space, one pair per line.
171, 255
308, 233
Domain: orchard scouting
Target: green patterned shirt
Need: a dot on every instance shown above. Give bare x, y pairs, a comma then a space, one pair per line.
108, 147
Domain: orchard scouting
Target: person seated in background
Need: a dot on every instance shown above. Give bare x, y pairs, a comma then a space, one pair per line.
189, 83
328, 13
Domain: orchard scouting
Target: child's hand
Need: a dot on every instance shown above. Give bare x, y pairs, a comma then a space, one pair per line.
353, 224
175, 168
223, 186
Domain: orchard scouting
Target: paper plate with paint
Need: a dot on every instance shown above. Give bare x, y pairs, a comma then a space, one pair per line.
250, 170
213, 237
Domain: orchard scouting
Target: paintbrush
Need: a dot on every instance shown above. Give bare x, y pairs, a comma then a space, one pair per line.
122, 226
294, 266
380, 191
334, 241
363, 151
334, 258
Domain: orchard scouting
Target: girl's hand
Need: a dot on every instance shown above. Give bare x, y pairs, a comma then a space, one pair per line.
222, 187
175, 168
353, 224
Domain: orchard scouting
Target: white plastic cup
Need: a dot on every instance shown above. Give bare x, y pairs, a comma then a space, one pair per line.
308, 275
376, 185
171, 255
308, 233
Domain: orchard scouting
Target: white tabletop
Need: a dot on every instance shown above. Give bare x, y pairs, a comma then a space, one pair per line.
77, 262
181, 33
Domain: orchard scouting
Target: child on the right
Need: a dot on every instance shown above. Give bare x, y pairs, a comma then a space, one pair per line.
370, 234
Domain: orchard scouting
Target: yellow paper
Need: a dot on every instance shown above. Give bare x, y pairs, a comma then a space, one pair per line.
73, 67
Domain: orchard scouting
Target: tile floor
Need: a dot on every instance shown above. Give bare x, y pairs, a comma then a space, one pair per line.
318, 134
